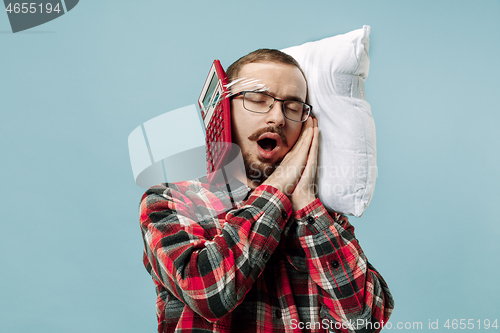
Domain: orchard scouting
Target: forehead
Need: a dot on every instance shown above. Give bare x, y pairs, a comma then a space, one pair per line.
281, 80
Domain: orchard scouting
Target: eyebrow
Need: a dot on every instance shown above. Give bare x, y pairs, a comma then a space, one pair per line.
285, 98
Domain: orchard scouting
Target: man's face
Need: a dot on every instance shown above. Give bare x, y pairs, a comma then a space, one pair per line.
264, 139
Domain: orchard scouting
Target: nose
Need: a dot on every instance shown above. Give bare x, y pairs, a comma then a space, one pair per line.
275, 115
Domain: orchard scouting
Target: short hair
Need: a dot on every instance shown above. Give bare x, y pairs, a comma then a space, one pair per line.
262, 55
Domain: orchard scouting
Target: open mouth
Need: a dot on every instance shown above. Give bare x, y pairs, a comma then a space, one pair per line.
267, 144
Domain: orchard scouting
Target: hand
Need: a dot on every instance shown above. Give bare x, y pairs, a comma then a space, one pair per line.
304, 192
287, 174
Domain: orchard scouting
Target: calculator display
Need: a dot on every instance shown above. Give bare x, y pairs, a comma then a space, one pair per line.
209, 94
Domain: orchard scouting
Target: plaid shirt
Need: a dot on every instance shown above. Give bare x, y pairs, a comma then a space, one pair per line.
228, 259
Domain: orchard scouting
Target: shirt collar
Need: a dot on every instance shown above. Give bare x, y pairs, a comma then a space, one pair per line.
236, 190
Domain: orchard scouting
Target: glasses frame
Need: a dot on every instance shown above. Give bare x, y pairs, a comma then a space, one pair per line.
242, 93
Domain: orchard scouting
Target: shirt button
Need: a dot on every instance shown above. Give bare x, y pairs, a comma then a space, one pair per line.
278, 313
284, 215
335, 264
266, 256
310, 220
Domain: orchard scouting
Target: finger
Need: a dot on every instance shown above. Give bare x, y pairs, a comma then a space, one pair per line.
308, 124
294, 162
313, 155
304, 140
312, 158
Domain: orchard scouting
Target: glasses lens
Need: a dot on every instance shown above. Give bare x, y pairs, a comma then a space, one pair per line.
260, 103
307, 112
257, 102
296, 111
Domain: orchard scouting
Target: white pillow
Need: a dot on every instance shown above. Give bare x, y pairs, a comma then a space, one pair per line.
336, 69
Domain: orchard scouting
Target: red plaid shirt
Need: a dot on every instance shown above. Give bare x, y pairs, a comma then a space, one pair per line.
228, 259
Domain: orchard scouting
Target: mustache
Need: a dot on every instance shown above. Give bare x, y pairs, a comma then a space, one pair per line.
271, 129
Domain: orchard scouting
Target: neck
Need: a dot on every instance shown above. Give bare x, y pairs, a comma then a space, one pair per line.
237, 172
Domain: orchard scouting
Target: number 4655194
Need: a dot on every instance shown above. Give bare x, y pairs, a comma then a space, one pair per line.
470, 324
32, 8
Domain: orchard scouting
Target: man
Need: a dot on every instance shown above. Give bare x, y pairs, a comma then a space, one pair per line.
276, 261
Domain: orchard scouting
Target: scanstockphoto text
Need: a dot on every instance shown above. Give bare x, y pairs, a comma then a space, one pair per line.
449, 324
331, 325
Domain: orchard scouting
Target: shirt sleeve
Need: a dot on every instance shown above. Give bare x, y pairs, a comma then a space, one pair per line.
351, 291
209, 268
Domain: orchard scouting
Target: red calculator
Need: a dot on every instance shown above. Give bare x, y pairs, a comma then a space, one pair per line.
216, 114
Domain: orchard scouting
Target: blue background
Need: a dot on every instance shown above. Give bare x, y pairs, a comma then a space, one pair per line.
73, 89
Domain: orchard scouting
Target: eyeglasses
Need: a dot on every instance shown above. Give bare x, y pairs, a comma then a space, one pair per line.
259, 102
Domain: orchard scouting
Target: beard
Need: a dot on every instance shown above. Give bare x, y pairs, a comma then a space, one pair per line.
258, 171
